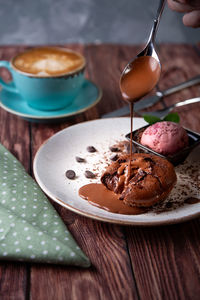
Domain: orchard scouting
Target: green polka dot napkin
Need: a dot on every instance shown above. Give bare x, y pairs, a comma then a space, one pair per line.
30, 228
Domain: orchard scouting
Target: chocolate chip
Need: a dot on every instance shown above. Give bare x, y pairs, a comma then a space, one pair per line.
168, 205
91, 149
89, 174
148, 159
114, 157
80, 159
120, 161
70, 174
114, 149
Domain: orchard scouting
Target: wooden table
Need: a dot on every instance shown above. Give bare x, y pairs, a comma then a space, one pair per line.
127, 262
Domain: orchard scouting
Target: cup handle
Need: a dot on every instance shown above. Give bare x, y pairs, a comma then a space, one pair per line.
10, 86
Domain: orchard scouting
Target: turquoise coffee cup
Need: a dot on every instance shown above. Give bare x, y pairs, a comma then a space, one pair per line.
45, 92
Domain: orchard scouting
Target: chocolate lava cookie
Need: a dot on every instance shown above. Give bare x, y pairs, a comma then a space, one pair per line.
150, 180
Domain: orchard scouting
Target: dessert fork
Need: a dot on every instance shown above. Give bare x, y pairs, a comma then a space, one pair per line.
164, 111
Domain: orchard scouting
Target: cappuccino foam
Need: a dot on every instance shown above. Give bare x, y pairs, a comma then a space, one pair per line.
48, 61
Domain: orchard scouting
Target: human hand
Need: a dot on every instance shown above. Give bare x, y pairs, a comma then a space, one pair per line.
191, 8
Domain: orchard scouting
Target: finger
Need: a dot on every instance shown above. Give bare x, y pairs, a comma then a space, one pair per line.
174, 5
192, 19
193, 3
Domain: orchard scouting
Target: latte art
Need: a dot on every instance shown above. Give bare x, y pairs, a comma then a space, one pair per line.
48, 61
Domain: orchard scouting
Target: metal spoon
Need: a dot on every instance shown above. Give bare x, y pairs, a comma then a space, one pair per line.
149, 49
164, 112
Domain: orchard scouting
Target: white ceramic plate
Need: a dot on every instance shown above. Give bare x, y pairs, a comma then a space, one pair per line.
58, 155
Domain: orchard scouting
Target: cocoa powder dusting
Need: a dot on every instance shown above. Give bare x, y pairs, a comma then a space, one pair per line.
185, 192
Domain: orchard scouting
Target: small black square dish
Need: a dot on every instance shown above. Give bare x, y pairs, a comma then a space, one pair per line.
175, 159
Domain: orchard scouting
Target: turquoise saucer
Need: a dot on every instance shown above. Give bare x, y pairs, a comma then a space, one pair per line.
89, 96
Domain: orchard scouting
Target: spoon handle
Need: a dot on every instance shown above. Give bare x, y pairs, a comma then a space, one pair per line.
160, 10
156, 21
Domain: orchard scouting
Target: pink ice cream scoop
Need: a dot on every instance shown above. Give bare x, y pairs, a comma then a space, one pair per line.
166, 137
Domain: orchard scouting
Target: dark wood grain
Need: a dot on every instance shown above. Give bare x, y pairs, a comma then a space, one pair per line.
127, 262
165, 261
179, 64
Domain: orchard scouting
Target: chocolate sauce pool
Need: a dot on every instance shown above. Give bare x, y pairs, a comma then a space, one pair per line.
134, 84
97, 194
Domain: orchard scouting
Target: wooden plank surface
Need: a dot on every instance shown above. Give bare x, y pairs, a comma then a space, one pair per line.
127, 262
